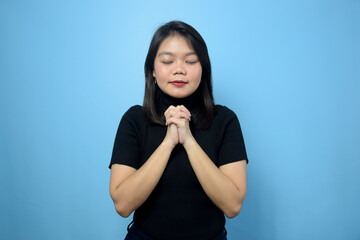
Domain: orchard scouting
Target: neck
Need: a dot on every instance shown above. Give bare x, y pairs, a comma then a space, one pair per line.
164, 101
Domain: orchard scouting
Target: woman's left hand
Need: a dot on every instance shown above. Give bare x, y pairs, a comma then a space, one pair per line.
180, 116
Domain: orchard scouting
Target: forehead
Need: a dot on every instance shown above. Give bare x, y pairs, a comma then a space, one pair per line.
175, 44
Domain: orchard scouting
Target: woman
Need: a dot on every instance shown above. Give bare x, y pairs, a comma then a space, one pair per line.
178, 161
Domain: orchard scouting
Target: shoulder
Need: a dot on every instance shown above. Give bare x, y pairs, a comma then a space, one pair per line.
133, 116
224, 112
133, 112
224, 118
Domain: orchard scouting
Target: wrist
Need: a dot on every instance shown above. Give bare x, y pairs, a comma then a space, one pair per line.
190, 142
168, 144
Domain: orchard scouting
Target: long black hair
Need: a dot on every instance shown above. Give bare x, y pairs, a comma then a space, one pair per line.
204, 111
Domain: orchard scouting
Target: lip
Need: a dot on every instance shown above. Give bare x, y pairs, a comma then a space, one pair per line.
178, 83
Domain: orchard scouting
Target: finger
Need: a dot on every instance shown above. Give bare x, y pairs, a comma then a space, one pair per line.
170, 109
177, 114
177, 121
182, 108
185, 116
172, 113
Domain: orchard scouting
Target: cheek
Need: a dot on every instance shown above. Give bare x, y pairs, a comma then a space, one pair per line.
198, 73
160, 71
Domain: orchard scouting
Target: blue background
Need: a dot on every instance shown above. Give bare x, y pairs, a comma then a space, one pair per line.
289, 69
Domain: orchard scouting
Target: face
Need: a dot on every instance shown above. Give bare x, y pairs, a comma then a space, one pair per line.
177, 68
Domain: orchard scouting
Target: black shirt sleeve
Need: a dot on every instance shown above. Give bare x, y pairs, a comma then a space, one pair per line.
232, 146
126, 146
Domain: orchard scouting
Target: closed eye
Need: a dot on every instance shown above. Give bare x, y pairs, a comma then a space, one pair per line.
167, 62
191, 62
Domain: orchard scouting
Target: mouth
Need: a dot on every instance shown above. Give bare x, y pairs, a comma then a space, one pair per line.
178, 83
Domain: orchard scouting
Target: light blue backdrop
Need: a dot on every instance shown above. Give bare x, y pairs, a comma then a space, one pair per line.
289, 69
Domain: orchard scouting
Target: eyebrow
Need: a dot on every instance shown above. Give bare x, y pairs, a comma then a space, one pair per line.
172, 54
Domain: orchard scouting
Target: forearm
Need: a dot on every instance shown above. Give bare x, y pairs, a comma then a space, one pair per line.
219, 188
134, 190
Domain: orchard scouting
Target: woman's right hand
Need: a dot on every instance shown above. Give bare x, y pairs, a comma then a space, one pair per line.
130, 187
172, 137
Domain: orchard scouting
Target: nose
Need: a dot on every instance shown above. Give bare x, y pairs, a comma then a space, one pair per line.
179, 68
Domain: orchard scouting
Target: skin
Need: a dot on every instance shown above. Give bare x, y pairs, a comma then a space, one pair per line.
176, 61
225, 186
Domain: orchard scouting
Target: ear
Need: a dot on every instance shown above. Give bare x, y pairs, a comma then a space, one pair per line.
154, 73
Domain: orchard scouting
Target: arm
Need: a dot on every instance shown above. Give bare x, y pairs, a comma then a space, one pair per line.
129, 188
225, 186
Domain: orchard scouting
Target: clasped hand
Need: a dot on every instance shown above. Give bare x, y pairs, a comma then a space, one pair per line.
177, 120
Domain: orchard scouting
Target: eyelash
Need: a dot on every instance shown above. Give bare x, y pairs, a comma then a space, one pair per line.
189, 62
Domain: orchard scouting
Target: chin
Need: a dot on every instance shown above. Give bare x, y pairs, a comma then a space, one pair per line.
179, 95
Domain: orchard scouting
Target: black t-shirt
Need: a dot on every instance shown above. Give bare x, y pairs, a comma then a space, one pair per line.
178, 207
